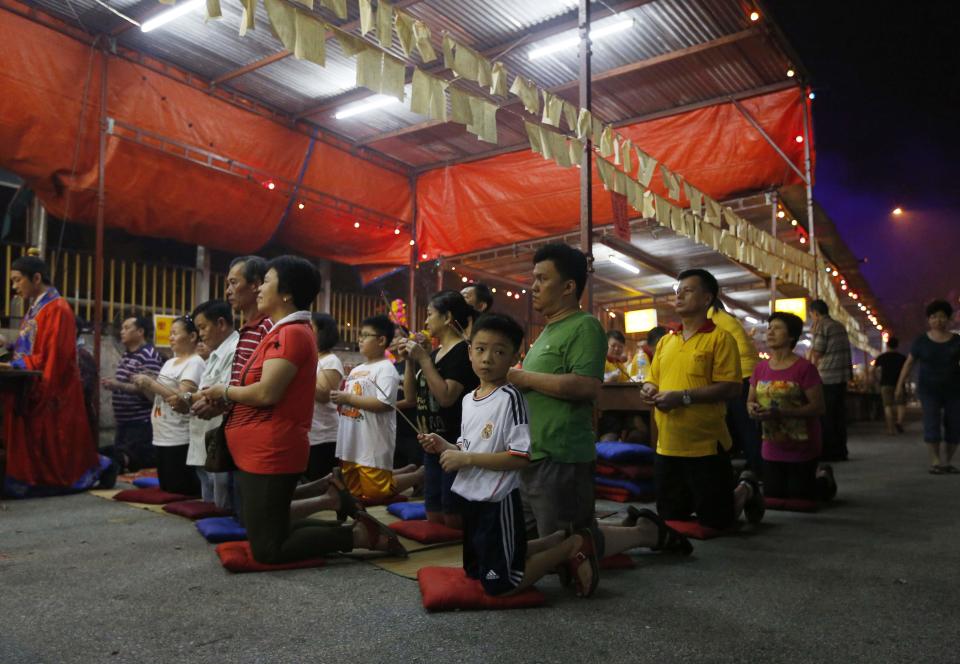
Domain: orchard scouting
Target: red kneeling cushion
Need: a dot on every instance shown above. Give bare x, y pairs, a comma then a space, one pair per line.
617, 561
426, 532
697, 530
237, 557
612, 493
450, 589
389, 500
155, 496
195, 509
791, 504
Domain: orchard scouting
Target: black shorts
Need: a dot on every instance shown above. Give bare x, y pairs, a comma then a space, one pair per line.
495, 543
696, 485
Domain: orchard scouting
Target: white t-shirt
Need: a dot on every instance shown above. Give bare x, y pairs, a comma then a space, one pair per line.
217, 371
366, 438
496, 423
326, 421
171, 428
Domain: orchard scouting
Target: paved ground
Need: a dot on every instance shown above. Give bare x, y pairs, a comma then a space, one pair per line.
873, 579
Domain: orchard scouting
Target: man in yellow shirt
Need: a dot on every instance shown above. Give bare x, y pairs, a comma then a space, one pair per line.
695, 371
744, 431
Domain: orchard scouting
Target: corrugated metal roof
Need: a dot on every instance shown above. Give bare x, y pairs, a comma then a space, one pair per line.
661, 27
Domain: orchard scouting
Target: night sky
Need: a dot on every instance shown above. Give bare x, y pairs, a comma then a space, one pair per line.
887, 123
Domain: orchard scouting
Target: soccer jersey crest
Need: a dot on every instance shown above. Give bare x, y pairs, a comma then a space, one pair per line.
487, 431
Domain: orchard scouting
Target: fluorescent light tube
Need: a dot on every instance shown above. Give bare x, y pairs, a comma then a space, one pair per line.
378, 101
568, 43
626, 266
181, 9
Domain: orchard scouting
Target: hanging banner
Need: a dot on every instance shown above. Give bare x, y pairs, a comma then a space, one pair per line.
621, 224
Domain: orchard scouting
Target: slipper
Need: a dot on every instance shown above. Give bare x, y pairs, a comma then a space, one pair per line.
755, 507
376, 530
348, 505
585, 555
668, 539
950, 470
936, 470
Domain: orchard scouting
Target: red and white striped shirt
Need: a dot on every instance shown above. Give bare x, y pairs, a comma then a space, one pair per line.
251, 334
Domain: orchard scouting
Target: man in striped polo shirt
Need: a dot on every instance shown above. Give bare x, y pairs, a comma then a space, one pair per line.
243, 283
133, 440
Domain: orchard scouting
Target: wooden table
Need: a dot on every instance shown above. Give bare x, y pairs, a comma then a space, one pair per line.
625, 397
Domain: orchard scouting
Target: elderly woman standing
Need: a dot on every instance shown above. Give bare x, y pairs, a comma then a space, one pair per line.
267, 429
50, 448
937, 354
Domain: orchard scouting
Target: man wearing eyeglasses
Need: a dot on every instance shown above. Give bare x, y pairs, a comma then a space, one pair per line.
695, 371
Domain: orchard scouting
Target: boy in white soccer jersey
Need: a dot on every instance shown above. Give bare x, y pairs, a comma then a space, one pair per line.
494, 445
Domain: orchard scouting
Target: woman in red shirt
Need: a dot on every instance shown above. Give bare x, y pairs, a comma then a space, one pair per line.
267, 428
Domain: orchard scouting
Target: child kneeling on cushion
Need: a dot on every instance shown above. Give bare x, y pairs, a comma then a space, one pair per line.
494, 445
367, 435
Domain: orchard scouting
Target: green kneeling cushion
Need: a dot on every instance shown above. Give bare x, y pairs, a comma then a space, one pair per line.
237, 557
450, 589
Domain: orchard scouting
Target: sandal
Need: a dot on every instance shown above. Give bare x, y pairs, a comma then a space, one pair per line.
937, 470
755, 507
585, 555
950, 470
668, 539
376, 530
348, 504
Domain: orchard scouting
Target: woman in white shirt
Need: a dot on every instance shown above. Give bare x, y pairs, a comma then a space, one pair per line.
323, 432
178, 378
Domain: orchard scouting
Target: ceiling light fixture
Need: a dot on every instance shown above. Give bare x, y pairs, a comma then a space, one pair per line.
571, 42
626, 266
375, 102
172, 14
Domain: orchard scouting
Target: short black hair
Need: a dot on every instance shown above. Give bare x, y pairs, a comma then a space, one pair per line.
381, 324
213, 310
254, 267
893, 343
296, 277
820, 307
793, 322
481, 293
452, 302
570, 263
655, 335
327, 333
141, 320
501, 324
616, 334
188, 325
707, 280
28, 266
938, 306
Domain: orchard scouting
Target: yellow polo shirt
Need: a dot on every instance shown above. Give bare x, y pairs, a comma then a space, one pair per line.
615, 372
709, 356
748, 352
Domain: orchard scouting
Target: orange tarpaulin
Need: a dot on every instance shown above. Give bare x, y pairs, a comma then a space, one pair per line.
153, 194
521, 196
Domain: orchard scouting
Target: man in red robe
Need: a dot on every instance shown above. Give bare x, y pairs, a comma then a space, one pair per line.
49, 445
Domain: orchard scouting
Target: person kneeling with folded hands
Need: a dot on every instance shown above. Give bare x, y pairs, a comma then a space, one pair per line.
494, 445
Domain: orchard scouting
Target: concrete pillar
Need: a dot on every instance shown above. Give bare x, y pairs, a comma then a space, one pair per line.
202, 282
326, 288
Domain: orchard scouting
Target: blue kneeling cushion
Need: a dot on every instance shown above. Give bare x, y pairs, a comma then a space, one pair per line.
408, 511
636, 487
632, 453
219, 529
146, 482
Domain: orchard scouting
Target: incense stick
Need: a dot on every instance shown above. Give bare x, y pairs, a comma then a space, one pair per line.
399, 412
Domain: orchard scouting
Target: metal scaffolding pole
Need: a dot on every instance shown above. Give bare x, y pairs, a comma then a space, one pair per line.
98, 250
804, 99
773, 232
412, 277
586, 170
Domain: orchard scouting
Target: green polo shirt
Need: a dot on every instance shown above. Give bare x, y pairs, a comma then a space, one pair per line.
563, 430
